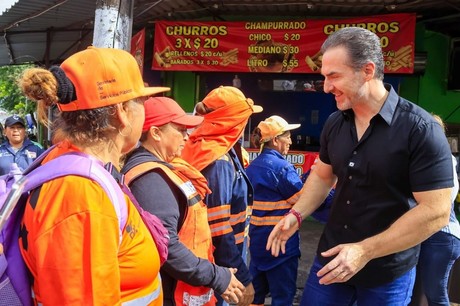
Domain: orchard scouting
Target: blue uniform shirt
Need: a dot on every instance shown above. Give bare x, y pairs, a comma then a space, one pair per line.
23, 157
229, 207
277, 187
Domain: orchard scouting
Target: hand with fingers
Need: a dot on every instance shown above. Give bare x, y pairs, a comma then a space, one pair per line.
350, 259
281, 233
248, 296
235, 290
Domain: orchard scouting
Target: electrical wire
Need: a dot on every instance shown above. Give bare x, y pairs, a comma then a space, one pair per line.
16, 23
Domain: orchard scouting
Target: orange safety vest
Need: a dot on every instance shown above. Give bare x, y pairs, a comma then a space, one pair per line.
195, 233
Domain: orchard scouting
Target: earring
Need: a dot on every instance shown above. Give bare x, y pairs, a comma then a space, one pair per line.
130, 130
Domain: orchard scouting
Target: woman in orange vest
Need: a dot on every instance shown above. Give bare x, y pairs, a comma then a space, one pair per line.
70, 236
170, 188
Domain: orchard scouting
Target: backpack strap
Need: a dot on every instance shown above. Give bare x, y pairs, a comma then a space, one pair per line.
38, 161
71, 163
79, 165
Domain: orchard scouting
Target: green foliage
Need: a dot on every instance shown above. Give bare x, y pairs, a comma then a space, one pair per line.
11, 98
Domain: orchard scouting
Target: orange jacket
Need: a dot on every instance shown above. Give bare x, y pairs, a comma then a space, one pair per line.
70, 243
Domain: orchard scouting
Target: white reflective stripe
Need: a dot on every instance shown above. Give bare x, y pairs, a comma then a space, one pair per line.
142, 301
145, 300
187, 188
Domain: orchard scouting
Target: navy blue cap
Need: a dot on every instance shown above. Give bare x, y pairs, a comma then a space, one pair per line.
13, 120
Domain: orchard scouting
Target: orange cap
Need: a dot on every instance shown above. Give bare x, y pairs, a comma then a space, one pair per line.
226, 95
163, 110
104, 76
274, 126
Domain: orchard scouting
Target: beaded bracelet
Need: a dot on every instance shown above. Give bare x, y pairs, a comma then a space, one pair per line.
297, 215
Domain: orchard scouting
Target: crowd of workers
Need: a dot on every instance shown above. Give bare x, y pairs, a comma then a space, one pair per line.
233, 225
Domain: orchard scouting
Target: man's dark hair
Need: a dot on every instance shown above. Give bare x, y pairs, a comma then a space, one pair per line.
363, 46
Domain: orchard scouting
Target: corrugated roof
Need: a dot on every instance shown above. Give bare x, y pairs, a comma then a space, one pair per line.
31, 28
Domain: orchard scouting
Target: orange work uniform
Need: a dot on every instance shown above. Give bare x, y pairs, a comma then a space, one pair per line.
70, 243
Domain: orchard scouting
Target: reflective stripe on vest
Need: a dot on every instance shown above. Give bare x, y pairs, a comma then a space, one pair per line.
185, 185
142, 301
269, 213
145, 300
194, 233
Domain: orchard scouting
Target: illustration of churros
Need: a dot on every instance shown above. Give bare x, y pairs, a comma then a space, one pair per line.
315, 61
401, 59
229, 57
163, 58
311, 63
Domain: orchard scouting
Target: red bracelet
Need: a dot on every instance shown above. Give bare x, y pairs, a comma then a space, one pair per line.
297, 215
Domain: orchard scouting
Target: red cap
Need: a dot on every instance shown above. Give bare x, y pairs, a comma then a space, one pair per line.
162, 110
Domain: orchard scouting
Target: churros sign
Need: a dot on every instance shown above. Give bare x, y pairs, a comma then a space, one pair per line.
273, 46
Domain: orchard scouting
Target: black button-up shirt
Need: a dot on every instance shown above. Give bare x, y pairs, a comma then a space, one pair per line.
404, 150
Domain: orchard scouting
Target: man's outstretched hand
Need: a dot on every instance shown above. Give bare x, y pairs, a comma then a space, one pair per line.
281, 233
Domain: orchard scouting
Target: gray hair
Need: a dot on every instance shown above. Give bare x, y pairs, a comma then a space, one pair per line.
363, 46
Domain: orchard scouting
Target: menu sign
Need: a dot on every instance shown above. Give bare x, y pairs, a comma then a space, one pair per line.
273, 46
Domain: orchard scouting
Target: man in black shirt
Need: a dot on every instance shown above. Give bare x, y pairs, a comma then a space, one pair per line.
392, 165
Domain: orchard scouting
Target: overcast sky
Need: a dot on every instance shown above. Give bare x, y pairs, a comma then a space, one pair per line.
6, 4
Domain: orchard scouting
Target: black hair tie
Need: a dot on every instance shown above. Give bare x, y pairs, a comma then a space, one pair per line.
66, 90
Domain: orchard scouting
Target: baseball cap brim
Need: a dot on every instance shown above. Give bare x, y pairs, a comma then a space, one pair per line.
150, 91
257, 109
291, 127
188, 121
